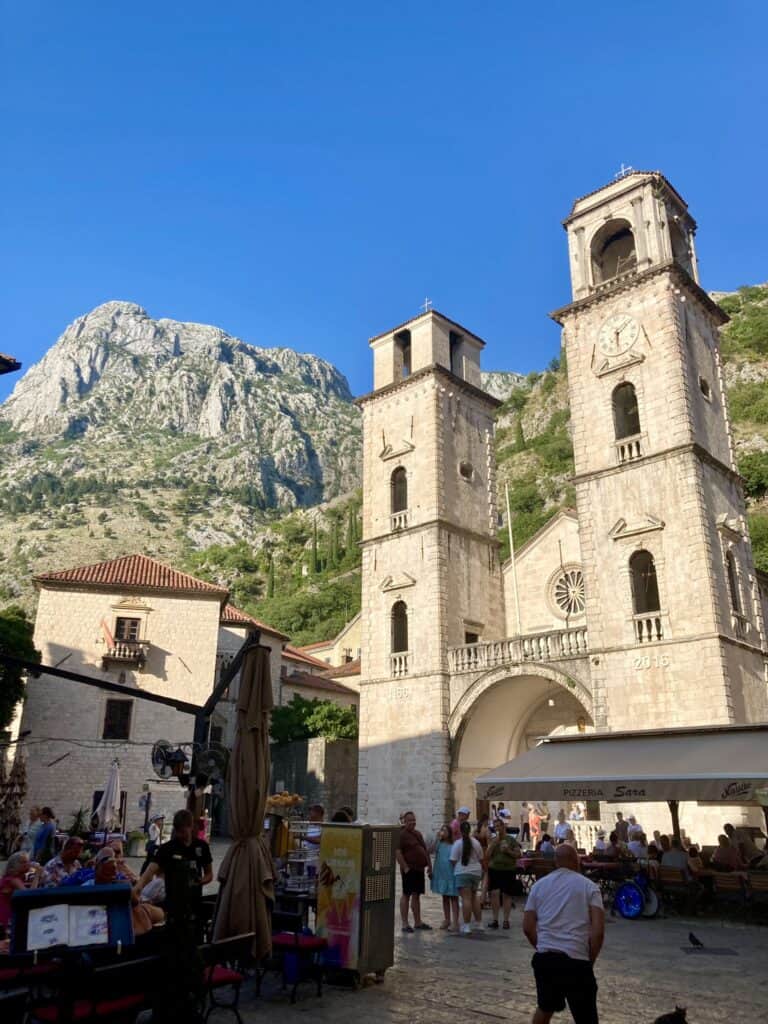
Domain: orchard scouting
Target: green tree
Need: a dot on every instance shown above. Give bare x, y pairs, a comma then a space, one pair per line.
271, 577
519, 435
16, 641
302, 719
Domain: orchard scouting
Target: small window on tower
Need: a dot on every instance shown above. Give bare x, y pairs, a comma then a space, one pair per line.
403, 344
705, 389
467, 470
471, 638
456, 354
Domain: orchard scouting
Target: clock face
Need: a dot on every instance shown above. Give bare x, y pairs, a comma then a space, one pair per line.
618, 334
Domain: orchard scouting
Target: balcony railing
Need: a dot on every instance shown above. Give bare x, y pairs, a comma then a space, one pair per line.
649, 627
127, 652
629, 448
399, 520
400, 664
552, 646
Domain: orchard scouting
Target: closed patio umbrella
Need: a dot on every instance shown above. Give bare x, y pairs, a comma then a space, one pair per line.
108, 811
14, 791
246, 873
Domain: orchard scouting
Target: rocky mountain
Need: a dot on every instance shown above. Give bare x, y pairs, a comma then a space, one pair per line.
242, 464
136, 398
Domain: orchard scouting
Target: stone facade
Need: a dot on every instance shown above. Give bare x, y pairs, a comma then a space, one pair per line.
68, 758
639, 609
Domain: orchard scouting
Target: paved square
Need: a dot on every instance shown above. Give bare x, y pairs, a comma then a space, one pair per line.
440, 978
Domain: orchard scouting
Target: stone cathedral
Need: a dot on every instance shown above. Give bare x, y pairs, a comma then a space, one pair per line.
639, 609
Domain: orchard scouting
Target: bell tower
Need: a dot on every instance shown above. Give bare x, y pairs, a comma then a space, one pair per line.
430, 569
674, 618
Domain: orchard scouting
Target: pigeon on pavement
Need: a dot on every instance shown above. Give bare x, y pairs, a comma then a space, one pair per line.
694, 941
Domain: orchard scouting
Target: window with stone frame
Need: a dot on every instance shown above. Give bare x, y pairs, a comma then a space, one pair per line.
645, 586
399, 490
127, 630
399, 627
117, 720
626, 414
733, 582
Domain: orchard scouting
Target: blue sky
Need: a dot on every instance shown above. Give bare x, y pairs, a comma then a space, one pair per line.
306, 174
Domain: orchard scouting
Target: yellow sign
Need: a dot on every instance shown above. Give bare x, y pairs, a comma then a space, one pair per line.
338, 894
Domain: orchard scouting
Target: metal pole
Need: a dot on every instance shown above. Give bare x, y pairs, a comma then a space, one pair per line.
512, 559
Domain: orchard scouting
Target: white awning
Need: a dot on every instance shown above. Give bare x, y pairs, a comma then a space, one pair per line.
724, 765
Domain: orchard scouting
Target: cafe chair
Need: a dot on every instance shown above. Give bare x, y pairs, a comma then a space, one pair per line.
757, 890
105, 995
296, 956
224, 969
729, 890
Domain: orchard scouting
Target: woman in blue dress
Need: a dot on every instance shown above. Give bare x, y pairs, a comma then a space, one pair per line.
443, 879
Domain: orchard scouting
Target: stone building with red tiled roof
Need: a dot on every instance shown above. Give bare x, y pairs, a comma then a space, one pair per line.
140, 624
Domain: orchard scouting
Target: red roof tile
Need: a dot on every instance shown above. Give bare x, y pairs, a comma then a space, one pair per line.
294, 654
350, 668
307, 680
314, 646
232, 616
136, 572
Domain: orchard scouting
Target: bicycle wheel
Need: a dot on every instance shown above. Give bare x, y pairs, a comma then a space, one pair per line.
651, 907
629, 900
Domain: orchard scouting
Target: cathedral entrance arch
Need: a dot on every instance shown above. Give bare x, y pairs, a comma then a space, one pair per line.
504, 713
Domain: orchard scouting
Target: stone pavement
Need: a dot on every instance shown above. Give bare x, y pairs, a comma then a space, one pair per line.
439, 978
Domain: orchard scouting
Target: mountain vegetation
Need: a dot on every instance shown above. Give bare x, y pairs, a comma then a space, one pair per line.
242, 465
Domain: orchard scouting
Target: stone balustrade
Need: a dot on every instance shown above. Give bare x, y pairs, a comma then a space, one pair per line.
551, 646
399, 520
127, 652
400, 664
649, 627
629, 448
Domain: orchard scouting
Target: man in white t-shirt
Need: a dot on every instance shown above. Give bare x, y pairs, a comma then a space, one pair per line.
562, 828
564, 921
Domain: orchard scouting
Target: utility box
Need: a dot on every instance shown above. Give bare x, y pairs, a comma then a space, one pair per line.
356, 896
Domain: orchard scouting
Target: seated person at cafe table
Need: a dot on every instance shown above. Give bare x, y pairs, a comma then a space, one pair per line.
741, 838
144, 915
20, 873
59, 868
726, 857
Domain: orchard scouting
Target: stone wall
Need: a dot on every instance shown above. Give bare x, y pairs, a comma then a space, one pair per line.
322, 771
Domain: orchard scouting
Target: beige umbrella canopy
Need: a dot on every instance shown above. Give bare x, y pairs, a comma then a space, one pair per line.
246, 874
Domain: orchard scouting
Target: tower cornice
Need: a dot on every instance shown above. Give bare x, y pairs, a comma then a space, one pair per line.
429, 371
626, 282
683, 449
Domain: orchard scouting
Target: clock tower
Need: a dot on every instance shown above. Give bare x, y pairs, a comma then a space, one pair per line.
673, 612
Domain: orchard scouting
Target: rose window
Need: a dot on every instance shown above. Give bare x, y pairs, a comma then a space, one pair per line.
568, 592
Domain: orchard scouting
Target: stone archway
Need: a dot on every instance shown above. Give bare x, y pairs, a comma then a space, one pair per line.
493, 720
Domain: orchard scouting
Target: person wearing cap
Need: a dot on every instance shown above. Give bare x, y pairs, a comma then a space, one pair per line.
461, 815
600, 844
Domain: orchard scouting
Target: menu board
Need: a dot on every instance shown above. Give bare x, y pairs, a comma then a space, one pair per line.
62, 925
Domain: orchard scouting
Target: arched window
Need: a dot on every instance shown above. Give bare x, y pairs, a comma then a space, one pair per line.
645, 588
399, 489
399, 627
733, 581
626, 415
613, 251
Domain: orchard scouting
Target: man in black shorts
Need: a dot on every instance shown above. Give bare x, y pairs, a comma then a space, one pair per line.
564, 921
413, 858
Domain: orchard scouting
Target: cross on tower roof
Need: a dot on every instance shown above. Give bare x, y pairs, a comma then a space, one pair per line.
426, 305
623, 172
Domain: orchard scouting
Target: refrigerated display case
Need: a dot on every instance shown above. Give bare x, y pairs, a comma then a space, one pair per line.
356, 896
